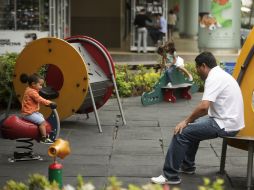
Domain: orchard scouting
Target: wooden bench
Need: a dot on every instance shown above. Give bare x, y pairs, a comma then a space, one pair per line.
249, 142
244, 76
169, 92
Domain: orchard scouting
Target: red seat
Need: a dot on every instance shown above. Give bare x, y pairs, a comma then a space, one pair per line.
15, 127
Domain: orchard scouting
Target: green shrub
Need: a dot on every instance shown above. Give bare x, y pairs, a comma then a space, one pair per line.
135, 82
209, 185
13, 185
123, 80
40, 182
7, 62
191, 67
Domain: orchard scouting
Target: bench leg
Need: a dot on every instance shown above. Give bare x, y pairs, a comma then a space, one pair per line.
169, 96
185, 93
250, 164
223, 157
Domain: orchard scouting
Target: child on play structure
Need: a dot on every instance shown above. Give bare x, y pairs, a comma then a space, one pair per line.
31, 104
171, 61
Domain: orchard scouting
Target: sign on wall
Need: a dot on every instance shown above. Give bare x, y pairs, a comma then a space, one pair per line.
15, 41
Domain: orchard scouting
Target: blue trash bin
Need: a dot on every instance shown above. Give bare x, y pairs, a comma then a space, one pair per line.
229, 67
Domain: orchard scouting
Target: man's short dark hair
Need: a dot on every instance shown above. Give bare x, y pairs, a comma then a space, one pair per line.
206, 58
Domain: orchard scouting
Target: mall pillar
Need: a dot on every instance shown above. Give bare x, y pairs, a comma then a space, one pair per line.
188, 18
181, 20
219, 26
191, 16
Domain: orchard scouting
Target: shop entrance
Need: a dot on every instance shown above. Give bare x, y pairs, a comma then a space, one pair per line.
152, 7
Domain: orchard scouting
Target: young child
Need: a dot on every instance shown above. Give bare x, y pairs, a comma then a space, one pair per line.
31, 105
171, 60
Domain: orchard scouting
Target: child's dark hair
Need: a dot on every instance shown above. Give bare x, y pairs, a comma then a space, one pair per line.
160, 50
170, 47
167, 48
34, 78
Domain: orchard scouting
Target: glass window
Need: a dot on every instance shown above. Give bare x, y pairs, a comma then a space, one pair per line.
25, 15
44, 15
247, 14
8, 15
247, 20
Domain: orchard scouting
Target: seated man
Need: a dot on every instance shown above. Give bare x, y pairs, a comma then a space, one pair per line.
222, 104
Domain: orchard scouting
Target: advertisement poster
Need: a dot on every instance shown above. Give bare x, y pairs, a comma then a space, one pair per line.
218, 17
219, 25
15, 41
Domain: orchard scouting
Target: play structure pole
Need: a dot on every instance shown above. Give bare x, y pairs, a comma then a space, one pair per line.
55, 173
94, 108
56, 116
9, 103
114, 81
60, 148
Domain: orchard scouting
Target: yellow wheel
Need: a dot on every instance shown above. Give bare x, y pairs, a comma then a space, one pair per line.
60, 54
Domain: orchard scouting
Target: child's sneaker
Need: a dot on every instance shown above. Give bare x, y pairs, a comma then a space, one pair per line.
45, 140
169, 85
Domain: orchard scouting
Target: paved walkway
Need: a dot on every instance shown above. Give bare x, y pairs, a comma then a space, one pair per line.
133, 153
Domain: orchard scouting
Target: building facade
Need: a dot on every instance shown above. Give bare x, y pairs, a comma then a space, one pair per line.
110, 22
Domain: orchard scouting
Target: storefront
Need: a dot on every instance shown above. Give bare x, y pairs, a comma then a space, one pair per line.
22, 21
152, 7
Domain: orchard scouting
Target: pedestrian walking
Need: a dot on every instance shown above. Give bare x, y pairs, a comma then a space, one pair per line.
171, 23
140, 22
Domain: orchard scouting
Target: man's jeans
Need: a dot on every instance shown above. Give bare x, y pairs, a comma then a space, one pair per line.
184, 146
142, 32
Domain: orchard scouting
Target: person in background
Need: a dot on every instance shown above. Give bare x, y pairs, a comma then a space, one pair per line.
159, 30
140, 22
220, 113
171, 23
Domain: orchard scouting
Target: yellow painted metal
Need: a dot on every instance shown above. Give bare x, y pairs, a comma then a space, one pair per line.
61, 54
247, 87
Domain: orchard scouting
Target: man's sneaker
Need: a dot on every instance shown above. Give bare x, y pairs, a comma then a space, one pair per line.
45, 140
162, 180
189, 172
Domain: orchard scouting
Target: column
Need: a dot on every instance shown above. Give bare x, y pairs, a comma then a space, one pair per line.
191, 18
181, 17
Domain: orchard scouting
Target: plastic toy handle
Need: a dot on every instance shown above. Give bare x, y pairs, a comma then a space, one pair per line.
53, 105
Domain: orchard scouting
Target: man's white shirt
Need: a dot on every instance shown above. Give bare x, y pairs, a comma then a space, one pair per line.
224, 93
